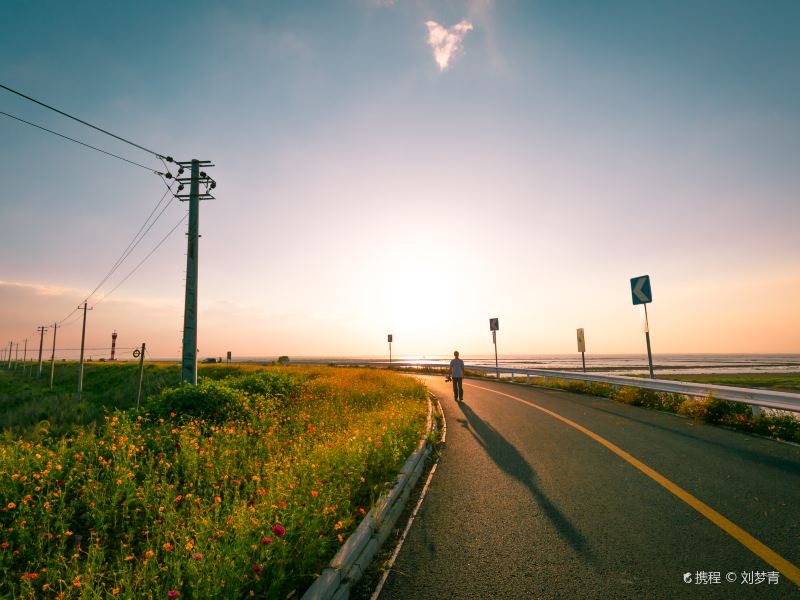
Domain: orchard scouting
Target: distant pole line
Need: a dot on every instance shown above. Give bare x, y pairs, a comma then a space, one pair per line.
81, 121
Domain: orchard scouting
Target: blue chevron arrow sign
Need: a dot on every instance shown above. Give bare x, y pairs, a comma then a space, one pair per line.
640, 290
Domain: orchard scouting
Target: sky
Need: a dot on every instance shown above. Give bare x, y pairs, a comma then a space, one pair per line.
407, 167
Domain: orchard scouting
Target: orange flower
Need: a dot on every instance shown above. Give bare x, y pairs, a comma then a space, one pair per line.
11, 505
169, 547
314, 493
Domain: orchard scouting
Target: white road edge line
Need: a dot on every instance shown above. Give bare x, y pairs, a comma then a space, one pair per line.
396, 552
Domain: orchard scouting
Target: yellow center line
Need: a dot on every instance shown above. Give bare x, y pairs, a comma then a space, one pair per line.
761, 550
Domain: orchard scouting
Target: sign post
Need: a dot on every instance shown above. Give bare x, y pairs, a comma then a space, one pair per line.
389, 338
494, 326
641, 293
582, 347
229, 357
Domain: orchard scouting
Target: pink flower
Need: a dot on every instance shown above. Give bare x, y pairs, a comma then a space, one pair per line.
266, 540
278, 530
197, 556
173, 594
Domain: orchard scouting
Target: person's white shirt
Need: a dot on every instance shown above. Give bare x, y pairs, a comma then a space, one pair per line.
456, 368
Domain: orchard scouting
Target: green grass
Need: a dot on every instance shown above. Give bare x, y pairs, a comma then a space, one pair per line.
244, 485
782, 382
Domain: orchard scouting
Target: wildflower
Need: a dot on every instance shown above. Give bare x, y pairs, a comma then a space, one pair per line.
169, 547
266, 540
173, 594
278, 530
129, 557
12, 506
197, 556
256, 568
217, 499
4, 545
149, 554
30, 576
314, 493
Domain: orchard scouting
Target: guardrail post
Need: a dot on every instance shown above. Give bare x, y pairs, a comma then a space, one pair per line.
756, 410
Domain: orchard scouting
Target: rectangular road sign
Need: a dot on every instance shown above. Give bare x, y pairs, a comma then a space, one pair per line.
640, 290
494, 324
390, 338
581, 341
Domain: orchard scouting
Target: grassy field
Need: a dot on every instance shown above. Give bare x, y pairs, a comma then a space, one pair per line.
782, 382
243, 486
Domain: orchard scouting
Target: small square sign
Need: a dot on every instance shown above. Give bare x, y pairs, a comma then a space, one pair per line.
494, 324
390, 338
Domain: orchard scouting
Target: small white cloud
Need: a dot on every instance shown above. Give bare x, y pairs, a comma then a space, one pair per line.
446, 42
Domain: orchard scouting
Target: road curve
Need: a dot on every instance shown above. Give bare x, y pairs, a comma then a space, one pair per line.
526, 505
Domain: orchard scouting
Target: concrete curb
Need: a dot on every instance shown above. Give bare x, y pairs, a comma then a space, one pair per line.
356, 554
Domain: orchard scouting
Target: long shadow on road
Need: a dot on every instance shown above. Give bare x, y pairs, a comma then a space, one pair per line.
509, 459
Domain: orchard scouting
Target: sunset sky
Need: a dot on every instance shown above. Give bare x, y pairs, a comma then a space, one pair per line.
412, 168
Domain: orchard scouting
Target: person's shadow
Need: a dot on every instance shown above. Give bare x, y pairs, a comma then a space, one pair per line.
508, 458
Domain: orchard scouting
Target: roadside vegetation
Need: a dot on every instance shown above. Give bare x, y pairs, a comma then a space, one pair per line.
245, 485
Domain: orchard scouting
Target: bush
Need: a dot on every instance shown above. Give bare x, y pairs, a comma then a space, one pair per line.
210, 399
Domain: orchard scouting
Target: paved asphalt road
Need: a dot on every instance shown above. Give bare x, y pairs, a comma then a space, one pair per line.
524, 505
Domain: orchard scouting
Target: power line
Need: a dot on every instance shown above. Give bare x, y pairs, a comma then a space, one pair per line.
61, 112
136, 268
134, 241
66, 137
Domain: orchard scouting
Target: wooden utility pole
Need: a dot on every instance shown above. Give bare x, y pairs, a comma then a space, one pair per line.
141, 375
53, 355
83, 339
41, 331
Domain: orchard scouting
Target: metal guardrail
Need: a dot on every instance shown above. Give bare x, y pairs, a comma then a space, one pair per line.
755, 397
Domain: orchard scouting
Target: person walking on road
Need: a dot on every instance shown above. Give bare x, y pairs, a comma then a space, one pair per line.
457, 375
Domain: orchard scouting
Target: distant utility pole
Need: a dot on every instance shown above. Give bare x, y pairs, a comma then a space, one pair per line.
10, 347
24, 356
83, 339
53, 356
141, 375
189, 353
41, 331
